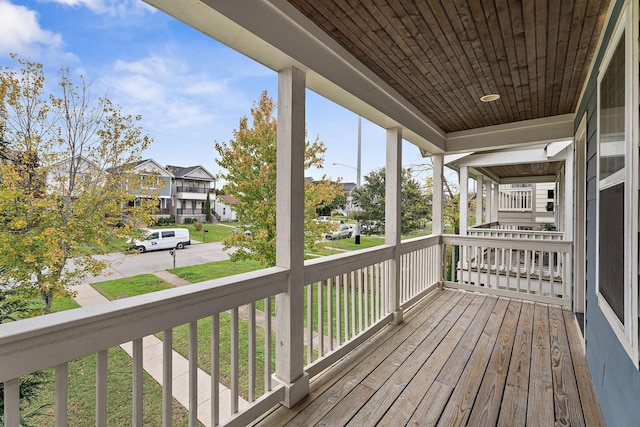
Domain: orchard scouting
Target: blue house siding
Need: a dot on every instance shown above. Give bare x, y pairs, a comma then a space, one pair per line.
616, 379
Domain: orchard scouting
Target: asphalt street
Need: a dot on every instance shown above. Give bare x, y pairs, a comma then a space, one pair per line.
125, 265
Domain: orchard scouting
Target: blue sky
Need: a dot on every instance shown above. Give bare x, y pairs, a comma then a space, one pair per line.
190, 89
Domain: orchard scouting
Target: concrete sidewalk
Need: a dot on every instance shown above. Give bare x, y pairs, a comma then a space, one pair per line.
152, 362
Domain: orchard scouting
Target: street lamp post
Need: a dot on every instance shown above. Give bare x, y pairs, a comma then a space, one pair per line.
358, 172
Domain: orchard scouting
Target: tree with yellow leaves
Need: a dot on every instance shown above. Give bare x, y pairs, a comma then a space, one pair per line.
56, 194
249, 160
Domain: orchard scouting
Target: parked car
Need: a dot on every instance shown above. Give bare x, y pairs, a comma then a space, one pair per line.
165, 238
343, 232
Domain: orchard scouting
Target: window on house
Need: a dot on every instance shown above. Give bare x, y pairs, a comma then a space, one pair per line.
617, 196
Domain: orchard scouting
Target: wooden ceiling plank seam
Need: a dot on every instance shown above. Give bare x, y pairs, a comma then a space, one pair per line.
388, 72
552, 53
454, 52
519, 21
577, 65
592, 26
536, 62
363, 22
574, 32
479, 77
487, 47
564, 34
505, 25
393, 19
490, 20
449, 69
541, 46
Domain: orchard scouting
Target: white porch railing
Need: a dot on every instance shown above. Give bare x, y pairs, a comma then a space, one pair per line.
515, 199
347, 301
511, 232
538, 270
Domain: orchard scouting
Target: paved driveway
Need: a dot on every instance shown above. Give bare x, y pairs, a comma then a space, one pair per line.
149, 262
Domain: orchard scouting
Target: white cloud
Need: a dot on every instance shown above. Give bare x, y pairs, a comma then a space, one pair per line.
109, 7
20, 31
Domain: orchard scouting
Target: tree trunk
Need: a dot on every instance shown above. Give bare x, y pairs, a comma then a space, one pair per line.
47, 300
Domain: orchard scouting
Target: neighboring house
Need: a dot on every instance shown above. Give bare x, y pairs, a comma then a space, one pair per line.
189, 191
349, 206
155, 182
224, 207
82, 169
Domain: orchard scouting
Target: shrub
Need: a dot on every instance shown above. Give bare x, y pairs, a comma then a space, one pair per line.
188, 220
197, 225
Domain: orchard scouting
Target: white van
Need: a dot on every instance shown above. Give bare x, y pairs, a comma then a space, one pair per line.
164, 238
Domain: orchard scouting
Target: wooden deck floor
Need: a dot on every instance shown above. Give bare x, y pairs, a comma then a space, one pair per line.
459, 359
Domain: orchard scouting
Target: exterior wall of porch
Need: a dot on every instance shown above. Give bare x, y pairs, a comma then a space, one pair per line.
615, 377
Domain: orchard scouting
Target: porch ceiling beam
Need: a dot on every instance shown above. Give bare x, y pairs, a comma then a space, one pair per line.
278, 36
513, 157
528, 179
511, 134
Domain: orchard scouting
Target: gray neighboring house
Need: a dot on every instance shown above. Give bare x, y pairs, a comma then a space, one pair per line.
155, 182
189, 191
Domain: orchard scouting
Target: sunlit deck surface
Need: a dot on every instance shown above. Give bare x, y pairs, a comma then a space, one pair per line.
459, 359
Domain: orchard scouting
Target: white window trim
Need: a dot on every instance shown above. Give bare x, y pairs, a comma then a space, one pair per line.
627, 335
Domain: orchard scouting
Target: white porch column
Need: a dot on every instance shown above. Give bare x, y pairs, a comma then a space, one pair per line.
568, 194
393, 216
479, 196
290, 234
489, 215
495, 202
436, 214
464, 199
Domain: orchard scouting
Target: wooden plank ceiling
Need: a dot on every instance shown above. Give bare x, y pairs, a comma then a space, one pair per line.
442, 56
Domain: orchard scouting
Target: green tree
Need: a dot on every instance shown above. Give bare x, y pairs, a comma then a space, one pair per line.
56, 195
207, 208
370, 198
249, 160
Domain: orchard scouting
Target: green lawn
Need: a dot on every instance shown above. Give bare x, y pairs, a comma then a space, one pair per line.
131, 286
215, 270
81, 403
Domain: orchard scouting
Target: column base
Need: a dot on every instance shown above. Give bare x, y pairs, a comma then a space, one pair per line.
398, 317
296, 391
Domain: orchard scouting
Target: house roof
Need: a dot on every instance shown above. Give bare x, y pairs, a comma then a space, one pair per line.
228, 199
348, 186
191, 172
423, 66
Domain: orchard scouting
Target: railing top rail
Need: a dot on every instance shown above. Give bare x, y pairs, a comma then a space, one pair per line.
71, 334
507, 231
508, 243
330, 266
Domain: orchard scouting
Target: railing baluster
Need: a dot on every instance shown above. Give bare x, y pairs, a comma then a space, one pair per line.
267, 343
138, 370
101, 388
234, 360
321, 317
338, 312
361, 295
167, 378
62, 389
193, 374
345, 285
353, 304
551, 278
310, 322
367, 296
252, 352
215, 364
527, 266
12, 402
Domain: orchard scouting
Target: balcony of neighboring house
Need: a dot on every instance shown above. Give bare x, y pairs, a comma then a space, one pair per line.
191, 189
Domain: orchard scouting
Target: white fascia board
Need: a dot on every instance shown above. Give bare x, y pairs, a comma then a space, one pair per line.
451, 158
554, 148
534, 179
498, 158
277, 35
514, 134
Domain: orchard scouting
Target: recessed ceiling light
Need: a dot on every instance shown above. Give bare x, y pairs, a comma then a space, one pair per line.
491, 97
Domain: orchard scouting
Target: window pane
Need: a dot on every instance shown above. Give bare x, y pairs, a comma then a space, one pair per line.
612, 109
611, 248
